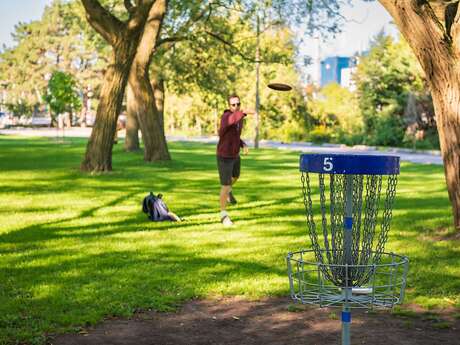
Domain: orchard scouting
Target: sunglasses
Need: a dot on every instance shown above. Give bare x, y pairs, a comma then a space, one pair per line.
235, 104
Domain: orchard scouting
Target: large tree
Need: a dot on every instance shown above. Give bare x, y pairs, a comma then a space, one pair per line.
125, 37
432, 29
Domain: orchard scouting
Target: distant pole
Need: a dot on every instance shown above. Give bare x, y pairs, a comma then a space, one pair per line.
256, 138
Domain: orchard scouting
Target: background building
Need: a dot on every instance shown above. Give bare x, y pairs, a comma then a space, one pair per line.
338, 69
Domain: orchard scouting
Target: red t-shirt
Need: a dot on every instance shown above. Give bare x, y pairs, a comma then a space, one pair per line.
231, 125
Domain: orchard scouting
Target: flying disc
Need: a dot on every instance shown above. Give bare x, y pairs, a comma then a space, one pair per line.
280, 87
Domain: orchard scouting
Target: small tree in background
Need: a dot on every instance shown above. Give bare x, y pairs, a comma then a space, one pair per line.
61, 95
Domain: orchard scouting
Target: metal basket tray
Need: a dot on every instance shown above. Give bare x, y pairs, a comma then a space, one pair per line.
384, 288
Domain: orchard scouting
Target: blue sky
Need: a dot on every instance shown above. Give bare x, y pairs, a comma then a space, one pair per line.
14, 11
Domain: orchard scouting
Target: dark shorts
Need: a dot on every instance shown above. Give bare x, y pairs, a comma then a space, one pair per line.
228, 168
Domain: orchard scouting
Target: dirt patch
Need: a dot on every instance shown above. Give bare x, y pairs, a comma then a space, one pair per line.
268, 322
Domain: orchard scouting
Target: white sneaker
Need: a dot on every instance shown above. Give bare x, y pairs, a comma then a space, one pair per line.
226, 221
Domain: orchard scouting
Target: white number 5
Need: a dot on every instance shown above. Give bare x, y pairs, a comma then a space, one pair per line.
328, 164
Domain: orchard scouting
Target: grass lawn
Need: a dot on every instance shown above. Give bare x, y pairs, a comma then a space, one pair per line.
75, 248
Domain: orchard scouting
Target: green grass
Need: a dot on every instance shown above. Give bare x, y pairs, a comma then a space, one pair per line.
75, 248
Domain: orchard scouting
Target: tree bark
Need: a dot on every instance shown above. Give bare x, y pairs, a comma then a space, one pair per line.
124, 37
446, 102
158, 86
84, 108
132, 125
142, 105
98, 155
435, 40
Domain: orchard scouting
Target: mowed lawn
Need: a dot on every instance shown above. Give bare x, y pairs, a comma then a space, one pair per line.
75, 248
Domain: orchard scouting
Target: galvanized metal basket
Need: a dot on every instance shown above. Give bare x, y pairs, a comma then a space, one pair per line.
348, 225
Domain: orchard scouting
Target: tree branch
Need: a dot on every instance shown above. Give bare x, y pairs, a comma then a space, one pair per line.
129, 6
152, 28
106, 24
416, 19
233, 47
172, 39
423, 30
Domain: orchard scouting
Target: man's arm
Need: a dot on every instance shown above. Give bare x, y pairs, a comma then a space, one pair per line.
229, 119
244, 147
234, 117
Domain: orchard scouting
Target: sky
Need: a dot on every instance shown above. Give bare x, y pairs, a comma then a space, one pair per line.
15, 11
363, 21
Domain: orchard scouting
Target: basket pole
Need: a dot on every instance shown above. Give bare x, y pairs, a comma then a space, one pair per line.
347, 242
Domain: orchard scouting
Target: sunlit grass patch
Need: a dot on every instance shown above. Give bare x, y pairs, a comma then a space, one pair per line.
75, 248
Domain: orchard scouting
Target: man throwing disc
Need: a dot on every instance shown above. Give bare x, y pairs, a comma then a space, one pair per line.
228, 153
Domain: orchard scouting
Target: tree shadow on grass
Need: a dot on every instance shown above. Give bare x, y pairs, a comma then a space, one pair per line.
82, 289
78, 269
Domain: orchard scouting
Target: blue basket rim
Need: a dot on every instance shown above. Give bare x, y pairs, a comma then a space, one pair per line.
346, 163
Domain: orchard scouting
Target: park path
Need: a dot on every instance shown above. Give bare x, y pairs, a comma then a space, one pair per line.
406, 155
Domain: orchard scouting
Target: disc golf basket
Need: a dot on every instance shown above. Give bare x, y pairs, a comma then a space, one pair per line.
348, 228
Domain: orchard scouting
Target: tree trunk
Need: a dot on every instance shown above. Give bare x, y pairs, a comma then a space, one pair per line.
142, 104
98, 155
446, 101
433, 32
70, 119
132, 125
125, 38
84, 109
158, 86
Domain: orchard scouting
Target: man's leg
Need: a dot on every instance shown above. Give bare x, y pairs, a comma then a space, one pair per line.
231, 199
225, 167
235, 175
224, 191
224, 217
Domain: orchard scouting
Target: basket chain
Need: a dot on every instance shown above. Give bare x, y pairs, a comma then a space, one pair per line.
387, 214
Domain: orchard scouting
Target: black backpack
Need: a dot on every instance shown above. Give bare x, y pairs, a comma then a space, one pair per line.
155, 208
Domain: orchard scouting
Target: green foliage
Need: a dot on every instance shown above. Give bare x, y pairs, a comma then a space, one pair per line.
430, 141
206, 51
384, 80
198, 96
389, 130
60, 40
320, 134
20, 108
61, 95
337, 115
73, 255
380, 111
